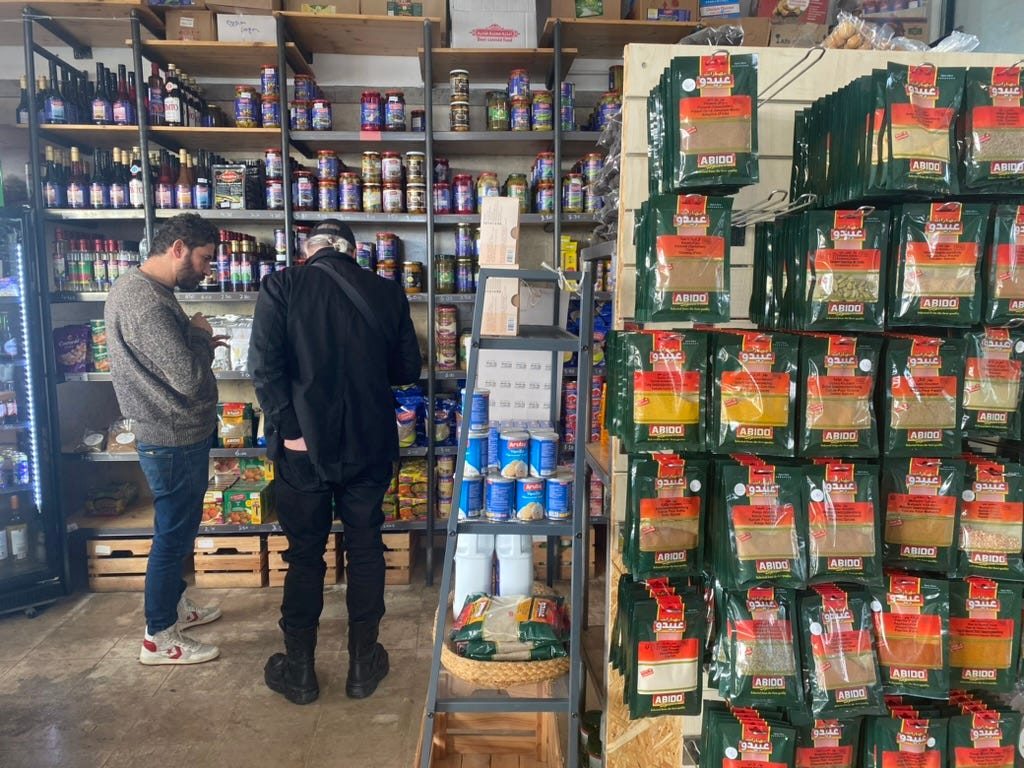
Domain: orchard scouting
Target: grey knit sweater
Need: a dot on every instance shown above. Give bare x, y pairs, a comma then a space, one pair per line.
160, 364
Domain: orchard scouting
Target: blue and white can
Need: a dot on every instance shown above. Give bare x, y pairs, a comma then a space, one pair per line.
471, 498
530, 498
492, 445
476, 454
559, 498
543, 453
499, 497
514, 453
479, 411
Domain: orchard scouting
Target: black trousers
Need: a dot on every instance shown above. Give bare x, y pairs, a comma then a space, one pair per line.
306, 508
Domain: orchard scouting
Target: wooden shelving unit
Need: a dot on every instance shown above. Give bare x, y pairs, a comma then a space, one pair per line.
215, 59
489, 65
360, 35
97, 24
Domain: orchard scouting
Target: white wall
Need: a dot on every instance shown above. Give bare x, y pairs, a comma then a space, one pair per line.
999, 23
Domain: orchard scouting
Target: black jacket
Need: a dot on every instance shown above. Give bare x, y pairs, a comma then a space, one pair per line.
319, 369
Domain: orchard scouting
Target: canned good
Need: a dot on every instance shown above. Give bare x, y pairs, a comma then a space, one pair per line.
543, 453
530, 498
246, 106
519, 114
327, 195
464, 244
592, 165
559, 496
444, 273
394, 111
373, 198
544, 201
465, 342
615, 73
476, 453
387, 271
387, 248
416, 167
280, 241
418, 121
608, 107
499, 497
350, 196
568, 93
303, 190
463, 196
269, 82
446, 321
270, 112
275, 194
596, 505
447, 354
479, 411
458, 80
366, 255
568, 117
305, 88
327, 165
471, 498
445, 484
572, 193
519, 84
416, 198
517, 186
459, 116
412, 277
497, 111
320, 115
544, 168
273, 164
371, 118
464, 281
445, 466
442, 198
542, 112
298, 115
391, 167
492, 449
393, 198
514, 453
442, 171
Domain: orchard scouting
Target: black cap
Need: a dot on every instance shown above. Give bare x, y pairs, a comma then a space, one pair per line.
335, 227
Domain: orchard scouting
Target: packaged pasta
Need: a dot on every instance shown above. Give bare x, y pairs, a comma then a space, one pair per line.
992, 520
984, 634
712, 121
683, 243
923, 412
844, 540
912, 635
984, 737
923, 103
1004, 299
665, 512
909, 741
754, 387
992, 383
759, 631
828, 744
538, 620
994, 140
922, 499
837, 380
839, 654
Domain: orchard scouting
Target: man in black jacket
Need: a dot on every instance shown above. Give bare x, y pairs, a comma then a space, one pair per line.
323, 358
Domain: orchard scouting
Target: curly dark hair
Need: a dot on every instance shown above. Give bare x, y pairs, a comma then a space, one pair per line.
191, 228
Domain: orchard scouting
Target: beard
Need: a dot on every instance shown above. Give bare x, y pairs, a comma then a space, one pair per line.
187, 278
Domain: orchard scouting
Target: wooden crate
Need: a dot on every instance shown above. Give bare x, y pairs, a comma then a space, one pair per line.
277, 567
540, 560
399, 557
231, 561
117, 565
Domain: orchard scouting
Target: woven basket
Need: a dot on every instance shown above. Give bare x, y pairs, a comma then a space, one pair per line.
502, 674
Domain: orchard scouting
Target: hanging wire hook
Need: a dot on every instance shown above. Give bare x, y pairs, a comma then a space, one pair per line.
805, 201
776, 82
564, 282
769, 203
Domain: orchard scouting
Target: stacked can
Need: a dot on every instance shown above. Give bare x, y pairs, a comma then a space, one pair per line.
596, 504
270, 96
389, 256
568, 106
590, 166
471, 494
458, 79
446, 336
445, 477
542, 180
596, 395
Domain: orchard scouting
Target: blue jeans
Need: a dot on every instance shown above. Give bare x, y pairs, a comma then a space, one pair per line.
178, 478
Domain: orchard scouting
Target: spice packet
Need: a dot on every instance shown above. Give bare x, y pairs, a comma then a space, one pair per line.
754, 386
837, 381
923, 412
909, 741
923, 103
994, 135
763, 667
844, 540
922, 498
828, 744
984, 632
712, 121
838, 645
742, 737
992, 521
984, 738
684, 242
912, 635
992, 383
1004, 297
665, 513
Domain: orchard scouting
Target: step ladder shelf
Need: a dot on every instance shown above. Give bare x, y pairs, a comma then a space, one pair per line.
538, 338
501, 704
535, 528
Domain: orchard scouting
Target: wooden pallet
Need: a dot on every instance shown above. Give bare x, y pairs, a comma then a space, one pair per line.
277, 567
230, 561
540, 560
118, 565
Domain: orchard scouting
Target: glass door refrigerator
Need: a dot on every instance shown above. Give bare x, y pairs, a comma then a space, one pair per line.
33, 551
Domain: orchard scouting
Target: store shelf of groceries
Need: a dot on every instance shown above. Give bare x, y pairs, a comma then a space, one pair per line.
490, 65
244, 453
357, 34
456, 143
309, 142
97, 376
70, 297
221, 59
595, 38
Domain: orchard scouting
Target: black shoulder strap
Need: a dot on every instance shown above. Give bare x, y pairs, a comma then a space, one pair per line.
356, 298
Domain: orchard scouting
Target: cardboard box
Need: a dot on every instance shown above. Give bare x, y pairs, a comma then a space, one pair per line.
254, 7
785, 35
719, 9
665, 10
493, 24
435, 9
499, 232
571, 9
248, 503
191, 4
335, 6
795, 11
501, 307
191, 25
245, 28
213, 506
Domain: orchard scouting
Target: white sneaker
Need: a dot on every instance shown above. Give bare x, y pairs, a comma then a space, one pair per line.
171, 647
191, 615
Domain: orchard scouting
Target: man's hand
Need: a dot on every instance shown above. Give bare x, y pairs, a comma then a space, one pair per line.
200, 322
296, 445
219, 341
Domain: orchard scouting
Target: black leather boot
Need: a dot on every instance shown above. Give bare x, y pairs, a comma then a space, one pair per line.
291, 673
367, 659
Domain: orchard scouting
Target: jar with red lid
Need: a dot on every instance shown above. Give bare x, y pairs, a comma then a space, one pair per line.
298, 112
305, 88
416, 198
463, 194
327, 195
320, 118
270, 112
371, 117
304, 190
372, 197
350, 192
327, 165
391, 167
394, 111
442, 171
442, 198
273, 164
370, 167
393, 198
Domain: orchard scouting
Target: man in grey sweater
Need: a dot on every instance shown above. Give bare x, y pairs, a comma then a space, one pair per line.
160, 362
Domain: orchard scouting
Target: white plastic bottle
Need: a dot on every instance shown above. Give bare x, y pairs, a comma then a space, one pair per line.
474, 566
515, 564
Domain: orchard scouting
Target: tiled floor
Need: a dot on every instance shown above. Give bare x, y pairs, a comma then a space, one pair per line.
73, 695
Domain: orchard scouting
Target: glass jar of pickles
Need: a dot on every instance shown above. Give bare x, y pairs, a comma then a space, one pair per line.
497, 111
518, 187
373, 197
487, 185
542, 114
370, 167
444, 273
350, 192
572, 193
391, 167
393, 197
519, 114
416, 198
247, 106
415, 167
